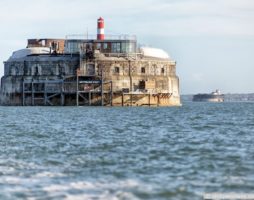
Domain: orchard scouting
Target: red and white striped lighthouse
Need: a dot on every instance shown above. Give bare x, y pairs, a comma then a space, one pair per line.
100, 29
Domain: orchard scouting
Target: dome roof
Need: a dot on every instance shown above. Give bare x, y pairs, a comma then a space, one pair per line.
154, 52
28, 51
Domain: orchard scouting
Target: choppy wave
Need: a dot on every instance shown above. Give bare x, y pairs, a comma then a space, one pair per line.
126, 153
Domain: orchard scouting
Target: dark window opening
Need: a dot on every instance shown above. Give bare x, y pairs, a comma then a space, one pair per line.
162, 71
143, 70
142, 85
36, 73
117, 70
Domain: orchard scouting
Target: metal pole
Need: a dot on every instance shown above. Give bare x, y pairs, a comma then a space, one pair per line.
149, 99
102, 101
130, 74
122, 99
62, 93
131, 98
89, 98
111, 93
45, 93
32, 93
23, 93
77, 93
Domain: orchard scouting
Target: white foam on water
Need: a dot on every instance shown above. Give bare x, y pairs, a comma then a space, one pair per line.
106, 195
6, 170
103, 196
56, 188
15, 189
48, 174
235, 180
16, 184
10, 180
95, 190
81, 185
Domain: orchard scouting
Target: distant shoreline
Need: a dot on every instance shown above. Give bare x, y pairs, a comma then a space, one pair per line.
237, 97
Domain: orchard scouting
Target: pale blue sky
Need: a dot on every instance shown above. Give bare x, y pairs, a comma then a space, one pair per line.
211, 40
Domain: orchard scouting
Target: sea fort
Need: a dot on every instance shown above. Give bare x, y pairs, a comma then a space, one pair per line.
87, 70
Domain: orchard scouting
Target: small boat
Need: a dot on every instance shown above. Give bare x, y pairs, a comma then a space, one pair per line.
215, 96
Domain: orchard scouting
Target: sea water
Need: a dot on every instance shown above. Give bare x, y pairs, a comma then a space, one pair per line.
126, 152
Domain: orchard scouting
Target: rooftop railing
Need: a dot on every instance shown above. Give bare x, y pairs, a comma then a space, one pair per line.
94, 37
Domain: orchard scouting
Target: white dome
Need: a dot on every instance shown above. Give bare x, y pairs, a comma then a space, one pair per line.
28, 51
154, 52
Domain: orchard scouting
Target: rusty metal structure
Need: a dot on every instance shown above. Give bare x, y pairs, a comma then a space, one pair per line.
88, 71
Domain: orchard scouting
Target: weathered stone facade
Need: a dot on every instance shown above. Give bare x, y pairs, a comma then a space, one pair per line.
141, 77
90, 78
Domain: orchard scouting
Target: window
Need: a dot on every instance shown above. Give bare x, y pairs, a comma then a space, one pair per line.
123, 47
117, 70
14, 71
73, 47
90, 70
98, 46
162, 71
116, 47
43, 43
143, 70
142, 85
154, 69
105, 45
130, 47
36, 70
